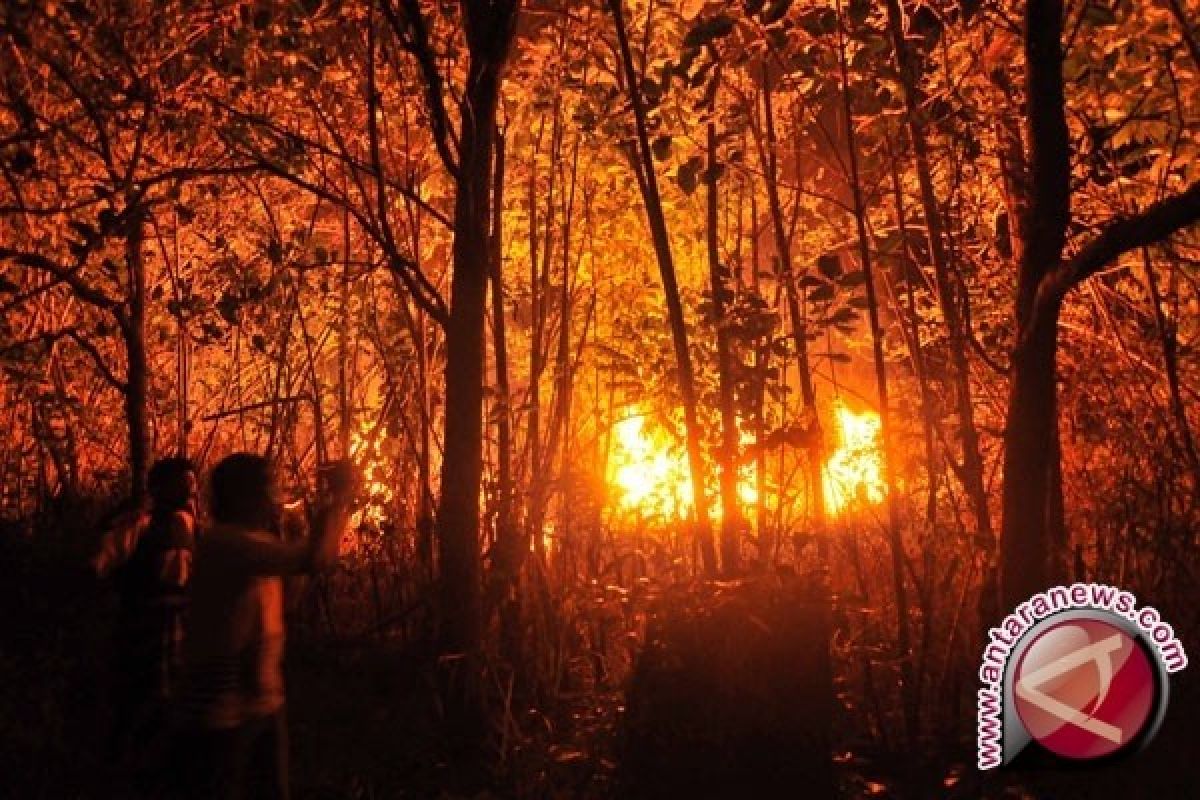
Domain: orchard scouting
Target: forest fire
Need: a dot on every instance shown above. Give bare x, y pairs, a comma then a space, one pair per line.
650, 399
652, 477
854, 471
375, 491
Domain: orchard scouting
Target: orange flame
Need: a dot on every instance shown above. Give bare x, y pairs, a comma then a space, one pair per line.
854, 471
653, 477
376, 491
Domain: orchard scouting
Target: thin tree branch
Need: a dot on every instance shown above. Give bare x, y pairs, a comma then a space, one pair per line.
412, 30
1128, 233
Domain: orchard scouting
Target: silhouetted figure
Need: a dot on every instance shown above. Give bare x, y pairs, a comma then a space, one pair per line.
148, 554
233, 701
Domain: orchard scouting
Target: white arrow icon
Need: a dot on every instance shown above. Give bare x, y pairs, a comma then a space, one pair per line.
1099, 652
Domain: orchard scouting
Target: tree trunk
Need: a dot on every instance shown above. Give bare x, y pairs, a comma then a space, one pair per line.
509, 542
908, 686
1030, 429
489, 33
662, 248
948, 299
731, 514
814, 460
1031, 426
136, 389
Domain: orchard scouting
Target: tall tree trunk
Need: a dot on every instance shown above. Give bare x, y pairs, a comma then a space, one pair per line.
948, 298
489, 33
895, 537
1031, 426
1032, 532
133, 332
538, 290
731, 513
648, 182
815, 457
508, 539
920, 371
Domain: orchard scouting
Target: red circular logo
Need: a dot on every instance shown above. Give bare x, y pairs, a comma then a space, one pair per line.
1084, 688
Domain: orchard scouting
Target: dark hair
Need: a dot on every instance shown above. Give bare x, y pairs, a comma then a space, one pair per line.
241, 489
163, 480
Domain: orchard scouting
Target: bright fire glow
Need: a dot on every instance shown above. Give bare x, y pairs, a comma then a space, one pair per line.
376, 492
652, 475
854, 471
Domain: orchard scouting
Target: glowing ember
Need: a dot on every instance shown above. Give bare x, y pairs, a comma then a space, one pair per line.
854, 471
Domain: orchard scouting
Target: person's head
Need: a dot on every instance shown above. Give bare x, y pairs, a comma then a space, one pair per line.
172, 484
245, 492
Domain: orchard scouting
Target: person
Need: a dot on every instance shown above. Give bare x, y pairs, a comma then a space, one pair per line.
233, 703
148, 555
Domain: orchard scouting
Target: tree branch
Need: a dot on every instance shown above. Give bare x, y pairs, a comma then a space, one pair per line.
413, 32
98, 359
67, 275
1128, 233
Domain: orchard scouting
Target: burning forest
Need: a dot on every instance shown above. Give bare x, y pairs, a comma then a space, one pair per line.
599, 399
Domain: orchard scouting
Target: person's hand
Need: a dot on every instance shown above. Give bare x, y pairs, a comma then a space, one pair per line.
341, 480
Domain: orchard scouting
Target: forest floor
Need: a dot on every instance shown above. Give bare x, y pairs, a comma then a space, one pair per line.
364, 724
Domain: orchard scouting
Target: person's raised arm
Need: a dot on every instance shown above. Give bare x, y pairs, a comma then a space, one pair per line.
267, 554
332, 518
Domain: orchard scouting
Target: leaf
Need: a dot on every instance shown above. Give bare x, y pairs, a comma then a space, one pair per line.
775, 11
707, 30
661, 147
22, 161
852, 279
829, 265
822, 294
275, 251
688, 174
842, 316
